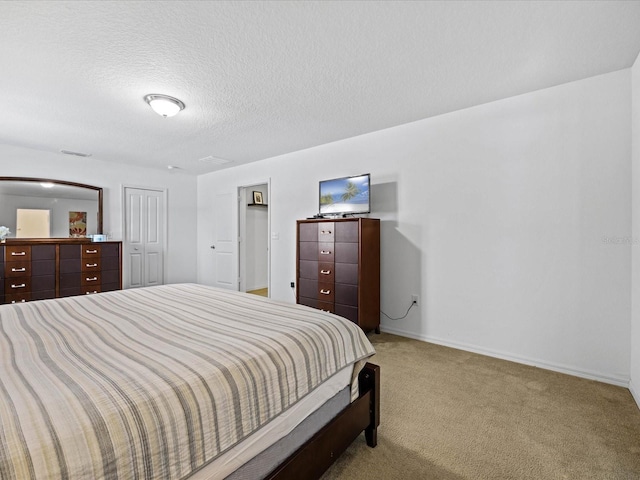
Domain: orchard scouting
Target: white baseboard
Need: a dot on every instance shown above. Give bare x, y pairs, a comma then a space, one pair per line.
634, 393
600, 377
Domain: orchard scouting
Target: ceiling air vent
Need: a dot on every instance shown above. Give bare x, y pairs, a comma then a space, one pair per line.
77, 154
214, 160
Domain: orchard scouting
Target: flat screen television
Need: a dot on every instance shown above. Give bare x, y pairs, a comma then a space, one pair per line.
345, 196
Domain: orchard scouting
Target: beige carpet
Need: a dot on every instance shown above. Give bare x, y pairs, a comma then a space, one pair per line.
263, 292
449, 414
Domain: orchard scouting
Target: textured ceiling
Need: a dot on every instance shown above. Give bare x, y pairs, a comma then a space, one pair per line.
265, 78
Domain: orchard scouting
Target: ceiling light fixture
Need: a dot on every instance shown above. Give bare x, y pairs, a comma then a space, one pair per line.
164, 105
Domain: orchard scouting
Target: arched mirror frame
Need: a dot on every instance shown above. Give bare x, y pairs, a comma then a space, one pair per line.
63, 182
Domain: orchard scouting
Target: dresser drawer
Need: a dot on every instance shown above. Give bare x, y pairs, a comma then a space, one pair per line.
43, 295
43, 283
326, 232
110, 277
92, 264
91, 252
70, 265
308, 269
43, 267
326, 292
70, 280
348, 312
17, 297
347, 232
43, 252
90, 279
70, 291
109, 287
346, 252
91, 290
346, 273
325, 252
308, 232
307, 288
308, 251
325, 272
110, 250
346, 295
70, 259
309, 302
18, 253
20, 268
17, 285
326, 306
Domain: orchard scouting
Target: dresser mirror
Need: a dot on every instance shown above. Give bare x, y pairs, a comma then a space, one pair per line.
72, 210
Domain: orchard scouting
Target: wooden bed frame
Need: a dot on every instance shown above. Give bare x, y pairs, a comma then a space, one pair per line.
313, 458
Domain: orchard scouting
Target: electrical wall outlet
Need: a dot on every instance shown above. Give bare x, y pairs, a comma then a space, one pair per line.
414, 299
293, 285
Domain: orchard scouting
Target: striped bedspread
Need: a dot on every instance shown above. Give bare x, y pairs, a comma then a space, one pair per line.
154, 383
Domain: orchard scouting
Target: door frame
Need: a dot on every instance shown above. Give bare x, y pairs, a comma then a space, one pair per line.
240, 218
165, 219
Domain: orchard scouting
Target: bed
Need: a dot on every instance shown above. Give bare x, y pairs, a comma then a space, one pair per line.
180, 381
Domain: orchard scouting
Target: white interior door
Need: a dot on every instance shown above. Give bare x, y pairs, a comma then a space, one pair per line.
144, 243
224, 267
32, 223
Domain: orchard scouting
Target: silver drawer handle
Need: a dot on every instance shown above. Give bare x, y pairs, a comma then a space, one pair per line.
22, 285
21, 301
89, 293
91, 264
92, 279
325, 292
23, 269
18, 254
325, 272
325, 232
91, 251
325, 252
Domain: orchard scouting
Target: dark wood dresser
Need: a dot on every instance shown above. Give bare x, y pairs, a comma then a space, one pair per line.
42, 269
338, 268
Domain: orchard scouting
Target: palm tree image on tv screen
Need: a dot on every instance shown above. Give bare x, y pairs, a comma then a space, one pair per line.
349, 195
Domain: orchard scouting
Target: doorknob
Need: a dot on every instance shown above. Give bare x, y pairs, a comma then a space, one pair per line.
213, 247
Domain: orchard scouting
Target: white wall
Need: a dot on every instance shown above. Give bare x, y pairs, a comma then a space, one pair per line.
181, 264
634, 384
505, 218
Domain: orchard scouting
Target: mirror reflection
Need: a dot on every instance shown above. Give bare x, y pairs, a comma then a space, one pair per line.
42, 208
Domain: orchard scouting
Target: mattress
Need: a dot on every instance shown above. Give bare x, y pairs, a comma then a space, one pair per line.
228, 465
155, 382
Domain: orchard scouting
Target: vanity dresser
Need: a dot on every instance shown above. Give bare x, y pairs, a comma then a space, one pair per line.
39, 269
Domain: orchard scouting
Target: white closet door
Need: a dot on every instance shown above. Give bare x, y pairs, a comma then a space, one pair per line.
144, 243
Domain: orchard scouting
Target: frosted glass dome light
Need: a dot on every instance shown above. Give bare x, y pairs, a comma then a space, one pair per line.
164, 105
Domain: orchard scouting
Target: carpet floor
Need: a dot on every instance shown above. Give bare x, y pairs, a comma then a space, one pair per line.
454, 415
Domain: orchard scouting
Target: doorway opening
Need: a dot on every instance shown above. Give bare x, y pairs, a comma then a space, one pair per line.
253, 241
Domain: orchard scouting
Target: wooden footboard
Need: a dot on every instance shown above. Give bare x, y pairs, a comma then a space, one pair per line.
313, 458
